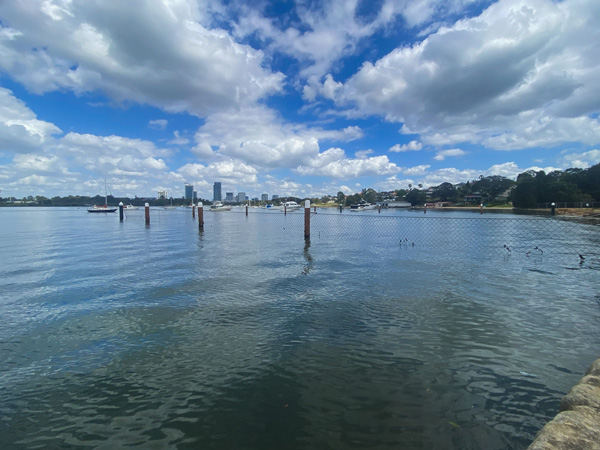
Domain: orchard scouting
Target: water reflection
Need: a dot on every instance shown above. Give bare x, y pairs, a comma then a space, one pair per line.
218, 340
307, 257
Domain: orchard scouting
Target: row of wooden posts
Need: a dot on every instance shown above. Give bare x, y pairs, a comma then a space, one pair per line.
201, 215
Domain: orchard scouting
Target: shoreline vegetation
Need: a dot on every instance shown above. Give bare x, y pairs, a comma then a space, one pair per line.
577, 212
577, 188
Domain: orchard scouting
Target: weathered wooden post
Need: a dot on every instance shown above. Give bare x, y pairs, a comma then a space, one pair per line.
193, 211
284, 209
246, 210
315, 209
425, 208
307, 219
121, 211
481, 209
379, 209
200, 216
553, 208
341, 207
147, 211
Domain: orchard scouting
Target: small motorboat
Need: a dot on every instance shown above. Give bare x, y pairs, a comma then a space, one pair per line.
218, 206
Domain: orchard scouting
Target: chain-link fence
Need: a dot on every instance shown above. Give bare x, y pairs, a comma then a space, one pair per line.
570, 242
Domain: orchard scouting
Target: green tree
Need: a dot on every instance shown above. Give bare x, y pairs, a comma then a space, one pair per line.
341, 197
445, 192
416, 197
369, 195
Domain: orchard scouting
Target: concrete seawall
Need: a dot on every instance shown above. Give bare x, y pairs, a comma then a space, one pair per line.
577, 425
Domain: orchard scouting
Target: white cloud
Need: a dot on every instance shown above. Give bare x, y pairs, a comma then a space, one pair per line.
333, 163
412, 146
258, 136
522, 74
582, 160
154, 52
416, 170
443, 154
362, 154
158, 124
178, 139
20, 130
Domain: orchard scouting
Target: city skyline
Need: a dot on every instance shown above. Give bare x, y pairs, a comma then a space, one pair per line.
302, 99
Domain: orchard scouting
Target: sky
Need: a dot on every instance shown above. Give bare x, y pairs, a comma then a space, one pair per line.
297, 98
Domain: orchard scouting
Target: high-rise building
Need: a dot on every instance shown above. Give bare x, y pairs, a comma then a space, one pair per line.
275, 196
241, 197
195, 195
189, 191
162, 194
217, 191
228, 197
264, 197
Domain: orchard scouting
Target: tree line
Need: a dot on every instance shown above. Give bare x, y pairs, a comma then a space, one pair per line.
530, 189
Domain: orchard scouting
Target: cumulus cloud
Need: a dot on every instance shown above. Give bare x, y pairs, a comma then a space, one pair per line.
362, 154
333, 163
583, 160
412, 146
521, 74
158, 124
20, 130
258, 136
443, 154
153, 52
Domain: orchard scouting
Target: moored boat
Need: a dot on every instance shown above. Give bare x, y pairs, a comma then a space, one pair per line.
218, 206
103, 208
290, 206
362, 206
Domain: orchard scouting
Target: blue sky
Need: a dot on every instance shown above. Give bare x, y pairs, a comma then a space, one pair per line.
302, 98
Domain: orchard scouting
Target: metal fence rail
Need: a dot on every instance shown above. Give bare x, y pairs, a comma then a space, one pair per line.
564, 241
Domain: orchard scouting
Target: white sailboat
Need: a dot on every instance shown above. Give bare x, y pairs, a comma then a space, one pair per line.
103, 208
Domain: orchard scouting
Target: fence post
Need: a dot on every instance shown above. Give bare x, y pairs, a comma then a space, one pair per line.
193, 211
553, 208
200, 216
121, 211
147, 213
307, 219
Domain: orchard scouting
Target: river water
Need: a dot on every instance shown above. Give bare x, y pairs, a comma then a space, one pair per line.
246, 336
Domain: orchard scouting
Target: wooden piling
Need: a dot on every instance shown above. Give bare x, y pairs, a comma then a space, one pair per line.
246, 210
200, 216
193, 211
307, 219
481, 209
147, 211
121, 211
284, 209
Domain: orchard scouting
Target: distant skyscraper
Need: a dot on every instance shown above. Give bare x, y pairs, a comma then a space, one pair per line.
189, 191
162, 194
264, 197
228, 197
241, 197
195, 195
217, 191
275, 197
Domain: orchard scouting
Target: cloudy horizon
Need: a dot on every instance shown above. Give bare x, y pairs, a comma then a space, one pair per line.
302, 98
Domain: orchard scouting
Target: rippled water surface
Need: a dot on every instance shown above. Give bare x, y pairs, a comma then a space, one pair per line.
245, 336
